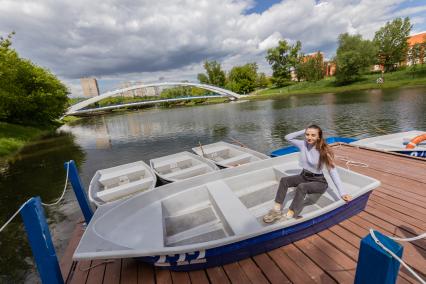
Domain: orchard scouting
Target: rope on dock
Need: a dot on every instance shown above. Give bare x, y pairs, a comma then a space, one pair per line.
95, 265
376, 240
349, 162
45, 204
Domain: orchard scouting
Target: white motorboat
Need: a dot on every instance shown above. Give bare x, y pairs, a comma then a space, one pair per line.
120, 182
216, 218
396, 142
181, 166
228, 155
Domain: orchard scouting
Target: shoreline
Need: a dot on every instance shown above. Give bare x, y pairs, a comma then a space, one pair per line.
273, 93
14, 137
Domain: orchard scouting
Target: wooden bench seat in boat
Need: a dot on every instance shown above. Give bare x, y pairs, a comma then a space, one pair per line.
237, 159
110, 194
188, 172
232, 211
108, 179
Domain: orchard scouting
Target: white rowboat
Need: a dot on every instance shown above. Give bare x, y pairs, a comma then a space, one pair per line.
112, 184
181, 166
216, 218
228, 155
395, 143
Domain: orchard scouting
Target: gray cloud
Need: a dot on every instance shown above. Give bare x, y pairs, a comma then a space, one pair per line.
151, 39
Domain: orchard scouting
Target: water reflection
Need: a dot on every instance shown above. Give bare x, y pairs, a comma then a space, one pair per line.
37, 171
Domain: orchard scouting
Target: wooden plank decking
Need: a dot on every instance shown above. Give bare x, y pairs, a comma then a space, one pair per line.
396, 208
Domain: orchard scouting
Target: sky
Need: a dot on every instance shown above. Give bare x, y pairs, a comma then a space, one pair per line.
164, 40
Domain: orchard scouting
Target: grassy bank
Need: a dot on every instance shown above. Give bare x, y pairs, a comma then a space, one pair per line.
14, 137
397, 79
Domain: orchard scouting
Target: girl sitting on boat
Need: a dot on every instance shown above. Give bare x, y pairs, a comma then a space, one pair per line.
315, 155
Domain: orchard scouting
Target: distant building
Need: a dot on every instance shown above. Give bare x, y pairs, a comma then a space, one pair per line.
330, 68
419, 38
305, 58
412, 40
90, 87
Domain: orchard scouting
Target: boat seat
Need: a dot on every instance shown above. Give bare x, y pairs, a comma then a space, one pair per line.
211, 150
169, 162
194, 170
113, 193
231, 210
245, 157
108, 179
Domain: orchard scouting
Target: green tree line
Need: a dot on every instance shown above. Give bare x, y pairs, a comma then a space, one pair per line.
240, 79
354, 57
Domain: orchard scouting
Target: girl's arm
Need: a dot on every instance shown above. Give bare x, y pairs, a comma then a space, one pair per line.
290, 138
337, 181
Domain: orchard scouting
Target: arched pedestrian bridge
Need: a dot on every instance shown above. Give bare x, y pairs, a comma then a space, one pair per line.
79, 107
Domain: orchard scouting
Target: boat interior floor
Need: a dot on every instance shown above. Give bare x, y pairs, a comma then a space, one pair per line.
229, 207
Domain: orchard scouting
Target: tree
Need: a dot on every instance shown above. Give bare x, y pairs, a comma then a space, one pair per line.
282, 59
391, 41
353, 56
243, 79
262, 81
215, 75
310, 68
29, 94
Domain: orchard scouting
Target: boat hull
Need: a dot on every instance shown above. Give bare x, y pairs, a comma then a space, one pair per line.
260, 244
421, 154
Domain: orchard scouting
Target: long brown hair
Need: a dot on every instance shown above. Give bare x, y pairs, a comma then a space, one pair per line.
326, 154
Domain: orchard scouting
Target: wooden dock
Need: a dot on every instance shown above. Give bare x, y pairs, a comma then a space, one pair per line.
396, 208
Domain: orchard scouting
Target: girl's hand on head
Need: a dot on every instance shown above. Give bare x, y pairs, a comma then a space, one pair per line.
347, 197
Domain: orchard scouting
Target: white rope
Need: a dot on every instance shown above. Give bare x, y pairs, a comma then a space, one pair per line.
63, 192
45, 204
95, 265
13, 216
376, 240
349, 162
409, 239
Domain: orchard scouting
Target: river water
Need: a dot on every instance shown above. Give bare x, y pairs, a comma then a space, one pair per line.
108, 140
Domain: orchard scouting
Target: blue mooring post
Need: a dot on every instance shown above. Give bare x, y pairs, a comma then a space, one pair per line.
41, 242
79, 191
376, 266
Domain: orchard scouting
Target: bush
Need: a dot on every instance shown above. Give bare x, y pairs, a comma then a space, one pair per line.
29, 94
354, 55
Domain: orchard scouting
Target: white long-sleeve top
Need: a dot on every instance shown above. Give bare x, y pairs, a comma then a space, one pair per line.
309, 159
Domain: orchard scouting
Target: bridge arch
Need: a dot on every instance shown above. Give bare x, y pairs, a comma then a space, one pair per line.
75, 108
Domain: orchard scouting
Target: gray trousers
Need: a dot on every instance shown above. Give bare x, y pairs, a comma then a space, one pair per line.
305, 184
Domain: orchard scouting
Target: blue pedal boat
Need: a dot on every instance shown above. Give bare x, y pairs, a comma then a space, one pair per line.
293, 149
216, 218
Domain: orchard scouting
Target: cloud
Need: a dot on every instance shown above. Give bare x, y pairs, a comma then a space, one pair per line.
115, 40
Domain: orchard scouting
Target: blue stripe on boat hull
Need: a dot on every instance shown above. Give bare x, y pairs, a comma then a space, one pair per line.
421, 154
263, 243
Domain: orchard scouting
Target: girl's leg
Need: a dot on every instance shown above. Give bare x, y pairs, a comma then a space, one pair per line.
301, 191
285, 183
